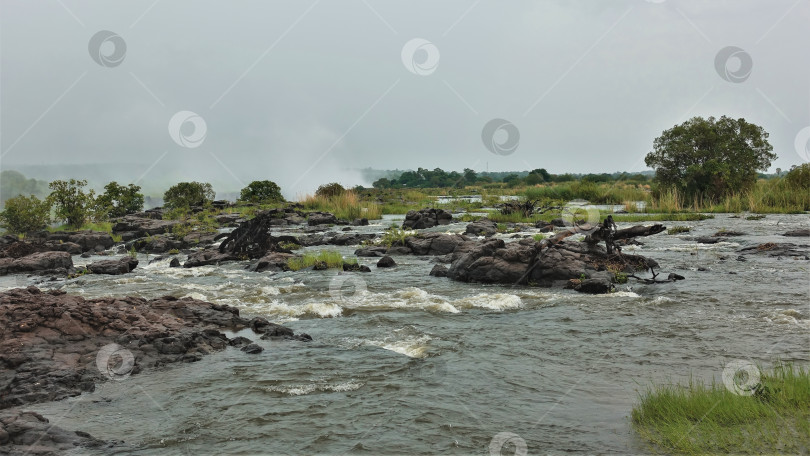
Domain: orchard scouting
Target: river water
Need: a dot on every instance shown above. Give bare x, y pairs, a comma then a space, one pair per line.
405, 363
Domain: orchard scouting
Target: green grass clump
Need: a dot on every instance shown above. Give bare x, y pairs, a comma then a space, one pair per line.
333, 259
289, 245
699, 418
345, 206
395, 236
89, 226
677, 229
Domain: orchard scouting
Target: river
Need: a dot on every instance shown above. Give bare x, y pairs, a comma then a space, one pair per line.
405, 363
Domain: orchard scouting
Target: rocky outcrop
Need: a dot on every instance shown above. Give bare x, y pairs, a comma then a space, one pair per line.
113, 267
436, 243
273, 262
371, 251
426, 218
208, 257
40, 262
545, 262
24, 432
482, 227
321, 218
132, 226
439, 271
54, 345
88, 241
798, 233
160, 243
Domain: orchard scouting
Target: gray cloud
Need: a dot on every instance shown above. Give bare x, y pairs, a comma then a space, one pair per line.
301, 94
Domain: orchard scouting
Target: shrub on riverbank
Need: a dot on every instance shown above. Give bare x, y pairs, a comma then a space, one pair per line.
699, 418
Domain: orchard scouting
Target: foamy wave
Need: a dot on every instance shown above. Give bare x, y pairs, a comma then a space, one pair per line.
412, 347
788, 317
301, 390
498, 301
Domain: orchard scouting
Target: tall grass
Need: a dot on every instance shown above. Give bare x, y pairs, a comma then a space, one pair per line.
331, 258
767, 196
595, 193
699, 418
87, 226
345, 206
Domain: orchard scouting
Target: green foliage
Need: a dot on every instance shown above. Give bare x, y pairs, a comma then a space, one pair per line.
799, 177
709, 419
395, 236
331, 258
117, 200
132, 252
25, 214
677, 229
261, 192
188, 194
174, 251
70, 201
330, 190
620, 277
289, 245
710, 157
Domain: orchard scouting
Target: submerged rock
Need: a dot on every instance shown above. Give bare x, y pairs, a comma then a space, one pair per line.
798, 233
26, 432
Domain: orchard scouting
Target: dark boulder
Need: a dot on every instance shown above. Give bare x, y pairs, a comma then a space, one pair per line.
175, 263
594, 286
798, 233
321, 218
439, 271
113, 267
252, 349
482, 227
354, 267
272, 261
426, 218
143, 226
208, 257
40, 262
386, 262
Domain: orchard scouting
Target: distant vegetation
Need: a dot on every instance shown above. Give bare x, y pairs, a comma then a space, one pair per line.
188, 194
263, 192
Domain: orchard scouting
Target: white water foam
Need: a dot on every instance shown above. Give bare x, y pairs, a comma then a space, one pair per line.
301, 390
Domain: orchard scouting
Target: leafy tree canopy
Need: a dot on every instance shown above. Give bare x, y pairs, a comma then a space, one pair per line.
188, 194
261, 192
710, 157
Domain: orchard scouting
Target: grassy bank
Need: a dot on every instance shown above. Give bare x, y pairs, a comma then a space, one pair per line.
700, 418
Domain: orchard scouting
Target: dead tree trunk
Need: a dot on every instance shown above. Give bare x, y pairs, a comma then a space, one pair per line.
252, 238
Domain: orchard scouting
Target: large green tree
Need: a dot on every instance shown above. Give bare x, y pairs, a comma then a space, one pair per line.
187, 194
710, 157
71, 203
118, 200
261, 192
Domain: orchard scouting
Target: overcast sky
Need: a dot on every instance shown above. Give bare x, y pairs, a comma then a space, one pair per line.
299, 91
